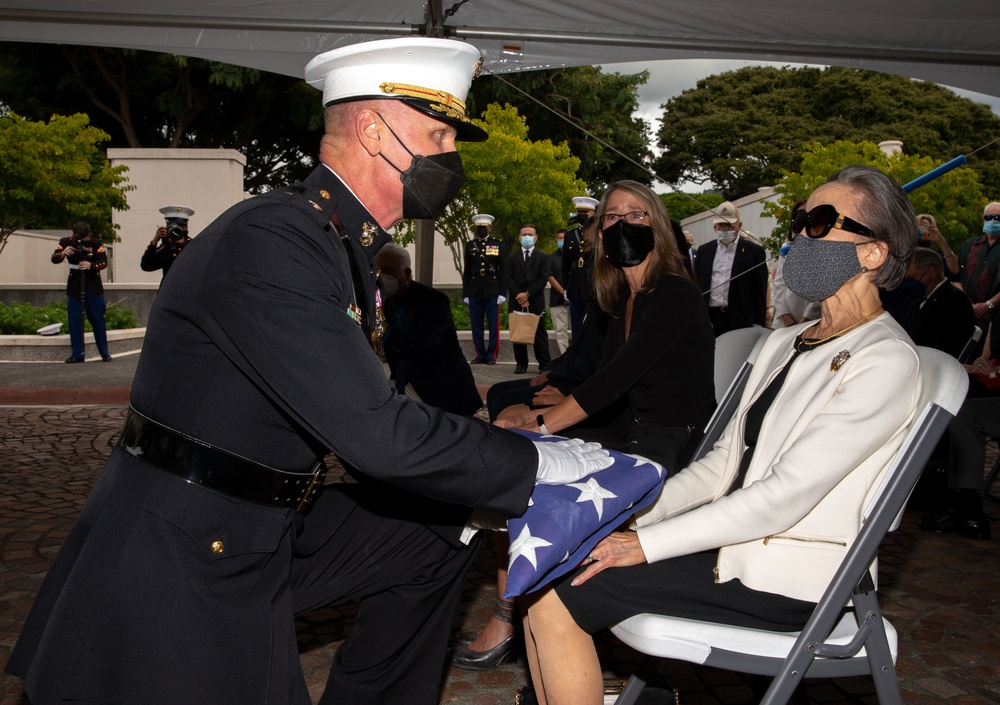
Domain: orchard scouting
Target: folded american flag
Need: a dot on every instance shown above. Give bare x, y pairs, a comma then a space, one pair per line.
563, 522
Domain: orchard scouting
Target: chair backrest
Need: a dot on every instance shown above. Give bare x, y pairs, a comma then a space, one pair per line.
735, 353
970, 345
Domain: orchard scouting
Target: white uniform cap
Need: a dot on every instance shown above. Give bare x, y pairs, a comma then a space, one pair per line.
428, 74
482, 219
726, 212
586, 203
176, 212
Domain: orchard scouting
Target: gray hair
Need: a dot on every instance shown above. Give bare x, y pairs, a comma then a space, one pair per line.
925, 258
398, 252
887, 212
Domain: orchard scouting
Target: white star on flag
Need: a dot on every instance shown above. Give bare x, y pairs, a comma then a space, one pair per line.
591, 491
525, 545
640, 461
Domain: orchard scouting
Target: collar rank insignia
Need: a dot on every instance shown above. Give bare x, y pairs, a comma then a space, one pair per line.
368, 232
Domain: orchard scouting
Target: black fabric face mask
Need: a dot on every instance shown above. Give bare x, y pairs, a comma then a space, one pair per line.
430, 183
627, 245
482, 231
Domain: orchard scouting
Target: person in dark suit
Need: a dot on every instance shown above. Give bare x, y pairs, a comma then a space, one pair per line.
210, 527
421, 344
84, 289
943, 317
732, 273
578, 259
483, 282
527, 274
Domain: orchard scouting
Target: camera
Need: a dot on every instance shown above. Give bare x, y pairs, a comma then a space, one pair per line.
81, 251
176, 232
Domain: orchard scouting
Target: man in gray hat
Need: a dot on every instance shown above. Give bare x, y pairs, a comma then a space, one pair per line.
210, 527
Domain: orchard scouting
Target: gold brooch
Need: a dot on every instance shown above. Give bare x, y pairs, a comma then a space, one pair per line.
368, 231
839, 359
324, 194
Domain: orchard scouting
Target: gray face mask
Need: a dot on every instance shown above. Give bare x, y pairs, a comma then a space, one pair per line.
815, 269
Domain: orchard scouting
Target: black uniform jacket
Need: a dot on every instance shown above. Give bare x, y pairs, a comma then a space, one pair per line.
161, 257
484, 273
577, 279
428, 344
531, 276
944, 322
747, 304
98, 259
249, 348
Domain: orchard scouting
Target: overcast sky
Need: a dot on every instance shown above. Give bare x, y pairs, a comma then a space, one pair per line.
670, 78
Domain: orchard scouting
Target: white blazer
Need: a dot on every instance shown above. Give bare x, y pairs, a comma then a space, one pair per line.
824, 445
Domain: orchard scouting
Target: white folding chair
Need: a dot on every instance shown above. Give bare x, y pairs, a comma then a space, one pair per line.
735, 353
834, 643
970, 345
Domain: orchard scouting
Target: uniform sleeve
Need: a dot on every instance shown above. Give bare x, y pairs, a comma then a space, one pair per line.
282, 320
466, 271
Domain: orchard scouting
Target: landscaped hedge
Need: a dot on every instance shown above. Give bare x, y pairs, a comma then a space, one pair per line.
25, 319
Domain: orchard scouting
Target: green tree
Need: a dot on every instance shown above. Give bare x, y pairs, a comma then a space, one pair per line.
956, 199
602, 103
742, 129
513, 179
148, 99
683, 205
54, 175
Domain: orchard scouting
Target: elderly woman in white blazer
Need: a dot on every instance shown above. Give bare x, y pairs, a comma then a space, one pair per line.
751, 534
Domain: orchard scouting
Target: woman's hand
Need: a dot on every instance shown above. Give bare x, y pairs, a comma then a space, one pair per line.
618, 550
522, 421
982, 367
547, 396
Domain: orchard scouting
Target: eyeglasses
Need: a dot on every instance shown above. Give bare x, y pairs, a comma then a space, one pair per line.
635, 218
821, 219
988, 217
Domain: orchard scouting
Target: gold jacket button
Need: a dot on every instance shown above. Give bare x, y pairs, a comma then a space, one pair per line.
218, 547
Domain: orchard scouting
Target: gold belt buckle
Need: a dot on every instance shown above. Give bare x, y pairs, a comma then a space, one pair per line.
317, 481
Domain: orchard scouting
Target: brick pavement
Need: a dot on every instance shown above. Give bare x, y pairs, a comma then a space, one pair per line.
941, 592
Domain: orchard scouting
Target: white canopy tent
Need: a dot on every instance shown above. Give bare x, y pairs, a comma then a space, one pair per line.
956, 43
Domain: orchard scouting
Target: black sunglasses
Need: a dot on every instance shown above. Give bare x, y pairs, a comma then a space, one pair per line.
988, 217
821, 219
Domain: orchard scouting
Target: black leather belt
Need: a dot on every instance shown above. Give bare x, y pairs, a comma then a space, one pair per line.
217, 469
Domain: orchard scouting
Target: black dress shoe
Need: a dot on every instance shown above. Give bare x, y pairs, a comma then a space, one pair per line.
106, 358
490, 362
477, 361
971, 525
71, 359
468, 660
520, 369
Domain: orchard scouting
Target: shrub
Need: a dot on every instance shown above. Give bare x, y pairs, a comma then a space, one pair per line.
24, 319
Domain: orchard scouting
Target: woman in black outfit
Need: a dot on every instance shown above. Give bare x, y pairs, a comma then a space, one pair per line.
657, 367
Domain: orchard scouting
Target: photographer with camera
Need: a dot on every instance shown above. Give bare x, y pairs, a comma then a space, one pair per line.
577, 260
84, 289
169, 240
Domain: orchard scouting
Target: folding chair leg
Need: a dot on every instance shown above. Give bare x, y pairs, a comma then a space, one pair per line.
880, 663
990, 479
636, 684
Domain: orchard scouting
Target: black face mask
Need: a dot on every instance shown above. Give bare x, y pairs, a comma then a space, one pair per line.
627, 245
482, 231
429, 183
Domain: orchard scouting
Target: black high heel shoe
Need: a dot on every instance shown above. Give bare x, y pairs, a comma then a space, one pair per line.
461, 656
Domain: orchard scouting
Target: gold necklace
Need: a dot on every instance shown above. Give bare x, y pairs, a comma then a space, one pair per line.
814, 343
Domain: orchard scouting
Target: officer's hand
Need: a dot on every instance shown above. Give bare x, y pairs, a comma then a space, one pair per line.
161, 233
501, 299
568, 461
67, 251
466, 299
522, 298
84, 264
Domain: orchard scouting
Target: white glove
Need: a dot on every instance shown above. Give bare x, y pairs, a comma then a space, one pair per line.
501, 299
565, 297
568, 461
466, 299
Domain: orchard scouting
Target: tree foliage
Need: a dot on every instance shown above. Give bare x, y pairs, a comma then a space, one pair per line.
602, 103
684, 205
741, 129
513, 179
955, 200
54, 175
146, 99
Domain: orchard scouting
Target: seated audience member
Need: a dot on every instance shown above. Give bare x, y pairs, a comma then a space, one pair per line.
751, 534
930, 235
942, 317
657, 364
976, 423
421, 345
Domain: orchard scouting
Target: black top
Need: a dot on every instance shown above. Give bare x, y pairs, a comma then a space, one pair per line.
667, 364
556, 270
91, 250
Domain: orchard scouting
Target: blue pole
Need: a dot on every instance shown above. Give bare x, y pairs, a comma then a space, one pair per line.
933, 174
